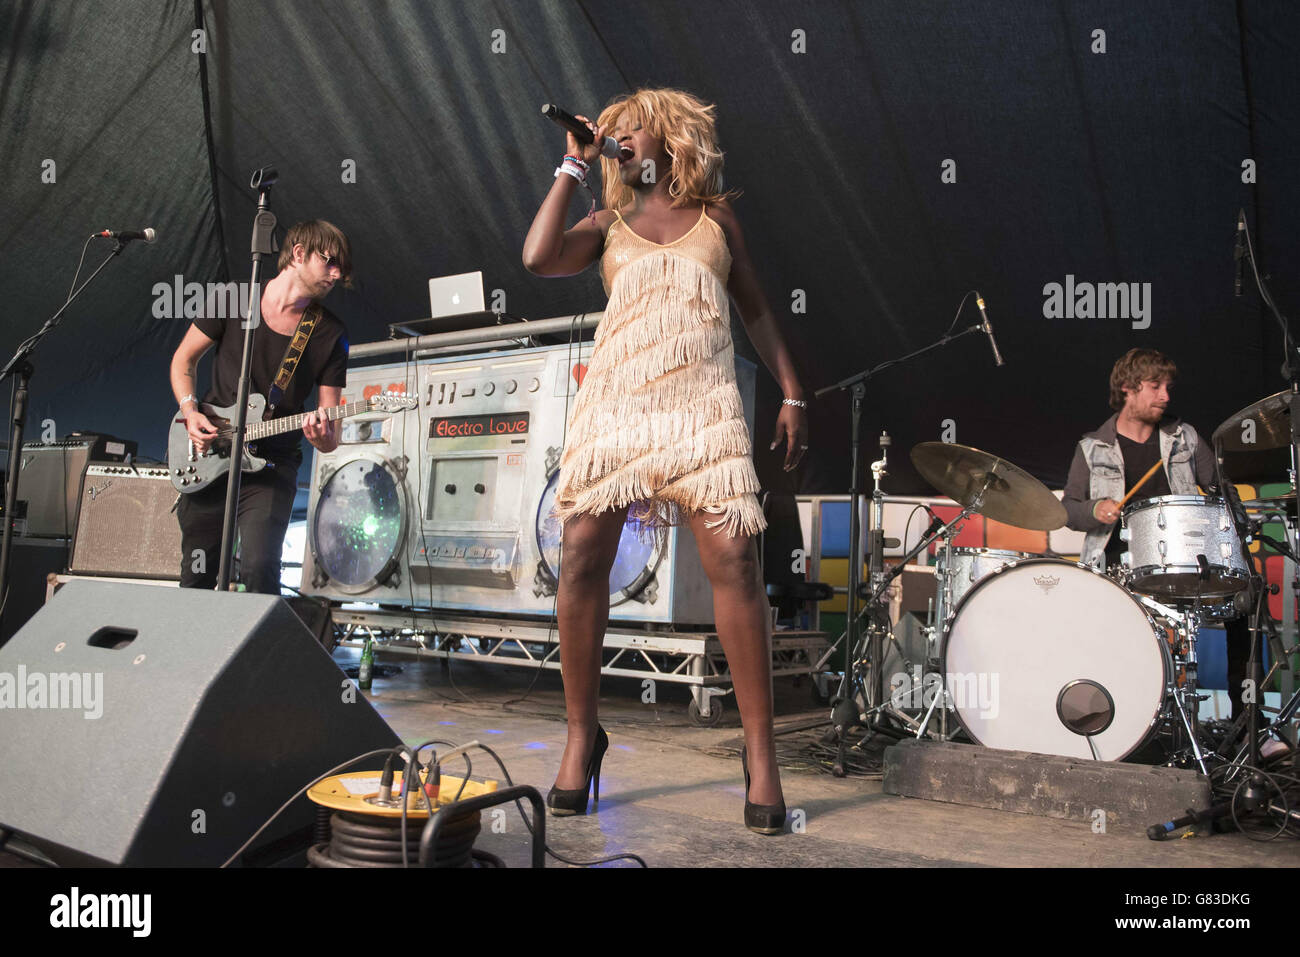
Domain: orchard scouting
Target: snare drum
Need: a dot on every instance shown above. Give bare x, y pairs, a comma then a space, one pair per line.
1166, 534
957, 569
1045, 646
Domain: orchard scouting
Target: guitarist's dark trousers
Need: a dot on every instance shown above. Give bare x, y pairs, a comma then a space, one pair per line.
265, 506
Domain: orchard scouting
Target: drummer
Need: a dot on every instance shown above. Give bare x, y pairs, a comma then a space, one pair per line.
1112, 460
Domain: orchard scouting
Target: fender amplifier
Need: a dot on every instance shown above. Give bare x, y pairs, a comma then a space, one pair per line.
126, 526
49, 478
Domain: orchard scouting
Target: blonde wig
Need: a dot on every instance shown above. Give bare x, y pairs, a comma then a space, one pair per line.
688, 129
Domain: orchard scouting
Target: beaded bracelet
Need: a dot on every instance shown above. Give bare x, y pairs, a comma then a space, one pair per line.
578, 170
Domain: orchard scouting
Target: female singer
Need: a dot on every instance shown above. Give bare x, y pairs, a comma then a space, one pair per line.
657, 427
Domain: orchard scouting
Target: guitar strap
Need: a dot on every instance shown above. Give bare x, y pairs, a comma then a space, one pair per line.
292, 354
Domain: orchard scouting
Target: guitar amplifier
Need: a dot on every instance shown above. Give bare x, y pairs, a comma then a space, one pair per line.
49, 478
127, 527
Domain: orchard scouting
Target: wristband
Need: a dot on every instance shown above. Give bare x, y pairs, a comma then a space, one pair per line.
570, 171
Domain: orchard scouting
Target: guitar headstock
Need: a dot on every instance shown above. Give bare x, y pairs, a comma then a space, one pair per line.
393, 401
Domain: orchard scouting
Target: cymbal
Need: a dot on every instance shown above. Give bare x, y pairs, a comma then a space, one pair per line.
1013, 496
1270, 426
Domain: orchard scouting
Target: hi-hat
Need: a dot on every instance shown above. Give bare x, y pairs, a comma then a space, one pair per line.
1010, 494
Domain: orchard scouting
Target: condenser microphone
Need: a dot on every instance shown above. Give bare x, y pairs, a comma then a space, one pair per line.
579, 129
126, 235
988, 328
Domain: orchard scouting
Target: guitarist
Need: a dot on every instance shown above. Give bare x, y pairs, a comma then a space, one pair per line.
315, 255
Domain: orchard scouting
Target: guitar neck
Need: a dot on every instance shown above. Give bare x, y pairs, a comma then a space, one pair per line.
292, 423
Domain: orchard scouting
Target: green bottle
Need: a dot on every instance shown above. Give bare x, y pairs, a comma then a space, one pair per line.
364, 673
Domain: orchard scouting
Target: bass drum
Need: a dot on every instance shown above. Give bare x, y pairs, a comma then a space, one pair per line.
1044, 653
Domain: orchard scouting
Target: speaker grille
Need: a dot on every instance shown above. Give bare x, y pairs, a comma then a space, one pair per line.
126, 526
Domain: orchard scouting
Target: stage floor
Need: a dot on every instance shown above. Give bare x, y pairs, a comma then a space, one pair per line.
673, 793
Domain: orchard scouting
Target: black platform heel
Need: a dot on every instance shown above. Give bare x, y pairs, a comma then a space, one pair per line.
761, 818
566, 801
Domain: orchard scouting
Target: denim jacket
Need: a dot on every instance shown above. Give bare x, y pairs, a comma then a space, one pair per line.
1097, 472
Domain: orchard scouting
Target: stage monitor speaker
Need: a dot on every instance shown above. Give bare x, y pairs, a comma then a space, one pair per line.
126, 527
147, 726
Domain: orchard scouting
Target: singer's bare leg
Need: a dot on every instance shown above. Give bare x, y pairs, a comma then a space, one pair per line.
744, 621
582, 609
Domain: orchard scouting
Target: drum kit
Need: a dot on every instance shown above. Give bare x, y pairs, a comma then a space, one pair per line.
1039, 653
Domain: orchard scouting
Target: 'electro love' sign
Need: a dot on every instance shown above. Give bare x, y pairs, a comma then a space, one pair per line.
461, 426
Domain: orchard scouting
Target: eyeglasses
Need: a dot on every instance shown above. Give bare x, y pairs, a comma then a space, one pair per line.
331, 262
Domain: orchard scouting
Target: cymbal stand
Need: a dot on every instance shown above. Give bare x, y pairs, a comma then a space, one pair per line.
1188, 692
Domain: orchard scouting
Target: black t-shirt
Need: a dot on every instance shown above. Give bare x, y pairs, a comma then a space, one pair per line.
325, 363
1138, 459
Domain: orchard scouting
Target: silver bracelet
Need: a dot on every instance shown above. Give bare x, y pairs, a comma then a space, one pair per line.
797, 403
190, 398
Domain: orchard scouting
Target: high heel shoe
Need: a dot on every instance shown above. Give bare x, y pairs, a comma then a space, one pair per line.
566, 801
761, 818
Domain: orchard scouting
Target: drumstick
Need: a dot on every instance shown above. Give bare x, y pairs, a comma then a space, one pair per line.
1150, 472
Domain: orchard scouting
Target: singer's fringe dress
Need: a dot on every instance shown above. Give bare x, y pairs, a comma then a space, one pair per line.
657, 423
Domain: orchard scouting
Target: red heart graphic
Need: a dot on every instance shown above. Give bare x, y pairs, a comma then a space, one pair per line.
579, 372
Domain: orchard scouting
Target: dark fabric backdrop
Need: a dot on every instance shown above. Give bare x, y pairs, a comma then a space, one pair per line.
1122, 166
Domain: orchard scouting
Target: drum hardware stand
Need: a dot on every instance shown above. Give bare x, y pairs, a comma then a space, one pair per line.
874, 715
20, 365
1252, 795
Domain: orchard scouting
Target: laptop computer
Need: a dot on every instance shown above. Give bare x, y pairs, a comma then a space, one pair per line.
455, 295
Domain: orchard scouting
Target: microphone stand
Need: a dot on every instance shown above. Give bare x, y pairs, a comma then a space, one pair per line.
844, 714
263, 230
1290, 371
1252, 794
21, 366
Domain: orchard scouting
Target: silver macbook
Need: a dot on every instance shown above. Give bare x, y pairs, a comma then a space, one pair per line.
455, 295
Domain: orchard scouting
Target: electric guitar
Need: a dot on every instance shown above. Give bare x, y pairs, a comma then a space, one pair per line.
191, 470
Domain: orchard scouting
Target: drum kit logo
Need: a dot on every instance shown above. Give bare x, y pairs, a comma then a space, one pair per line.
1046, 582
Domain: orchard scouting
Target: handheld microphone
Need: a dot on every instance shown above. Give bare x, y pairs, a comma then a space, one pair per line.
988, 328
579, 129
126, 235
1239, 253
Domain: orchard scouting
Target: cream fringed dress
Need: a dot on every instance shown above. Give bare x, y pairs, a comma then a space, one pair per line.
657, 423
